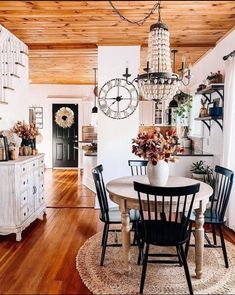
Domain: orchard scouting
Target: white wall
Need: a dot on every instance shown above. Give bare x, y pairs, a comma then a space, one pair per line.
114, 136
211, 62
38, 95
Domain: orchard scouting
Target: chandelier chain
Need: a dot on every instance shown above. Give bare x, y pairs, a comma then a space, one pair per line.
159, 11
141, 21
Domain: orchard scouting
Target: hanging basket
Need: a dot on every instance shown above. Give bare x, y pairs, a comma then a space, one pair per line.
64, 117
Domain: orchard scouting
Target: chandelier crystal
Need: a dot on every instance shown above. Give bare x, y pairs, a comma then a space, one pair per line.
159, 82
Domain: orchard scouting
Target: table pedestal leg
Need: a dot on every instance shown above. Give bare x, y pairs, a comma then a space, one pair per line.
199, 240
125, 236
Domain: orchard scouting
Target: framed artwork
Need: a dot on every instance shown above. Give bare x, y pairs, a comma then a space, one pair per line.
36, 116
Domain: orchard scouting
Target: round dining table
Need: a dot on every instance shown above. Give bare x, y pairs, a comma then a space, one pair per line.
121, 191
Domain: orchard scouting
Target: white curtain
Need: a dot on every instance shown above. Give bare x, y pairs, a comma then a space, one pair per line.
229, 131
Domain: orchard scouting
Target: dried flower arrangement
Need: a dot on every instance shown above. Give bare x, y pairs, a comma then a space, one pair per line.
25, 131
154, 146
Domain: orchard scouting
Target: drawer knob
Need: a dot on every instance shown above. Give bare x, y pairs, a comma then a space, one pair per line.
24, 182
23, 169
24, 198
24, 213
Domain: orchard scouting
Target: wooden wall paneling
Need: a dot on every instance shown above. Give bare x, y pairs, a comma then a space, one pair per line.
47, 26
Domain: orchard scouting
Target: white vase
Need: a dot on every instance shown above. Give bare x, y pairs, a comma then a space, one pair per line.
158, 174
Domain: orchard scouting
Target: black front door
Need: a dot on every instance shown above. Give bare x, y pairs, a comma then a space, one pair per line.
65, 135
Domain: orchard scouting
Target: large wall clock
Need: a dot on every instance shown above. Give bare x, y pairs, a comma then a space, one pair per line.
118, 99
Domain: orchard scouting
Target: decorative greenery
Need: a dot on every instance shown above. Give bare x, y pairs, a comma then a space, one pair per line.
154, 146
25, 131
199, 168
184, 105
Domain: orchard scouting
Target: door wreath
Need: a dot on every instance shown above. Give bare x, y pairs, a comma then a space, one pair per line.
64, 117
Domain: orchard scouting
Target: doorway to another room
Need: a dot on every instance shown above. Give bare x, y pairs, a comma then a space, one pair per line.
65, 135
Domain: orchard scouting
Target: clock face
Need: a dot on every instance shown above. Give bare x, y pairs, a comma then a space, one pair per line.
118, 99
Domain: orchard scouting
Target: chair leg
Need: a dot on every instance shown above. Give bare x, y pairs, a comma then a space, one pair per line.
179, 256
223, 246
104, 243
182, 253
144, 268
103, 235
188, 242
135, 233
140, 246
214, 234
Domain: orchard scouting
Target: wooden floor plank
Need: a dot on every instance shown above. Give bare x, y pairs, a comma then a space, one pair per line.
44, 261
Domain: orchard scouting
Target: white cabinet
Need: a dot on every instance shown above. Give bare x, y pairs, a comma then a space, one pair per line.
152, 113
21, 193
146, 109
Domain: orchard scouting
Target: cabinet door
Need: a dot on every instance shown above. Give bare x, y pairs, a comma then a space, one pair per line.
36, 193
31, 194
146, 113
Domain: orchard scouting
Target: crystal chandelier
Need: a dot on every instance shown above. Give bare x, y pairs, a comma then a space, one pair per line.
159, 82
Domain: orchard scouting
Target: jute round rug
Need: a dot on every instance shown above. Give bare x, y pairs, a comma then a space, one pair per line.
160, 278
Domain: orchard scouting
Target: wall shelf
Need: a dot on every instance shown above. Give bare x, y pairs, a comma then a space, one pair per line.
207, 121
213, 88
207, 93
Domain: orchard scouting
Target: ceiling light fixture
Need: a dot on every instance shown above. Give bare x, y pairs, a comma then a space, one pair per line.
95, 109
159, 82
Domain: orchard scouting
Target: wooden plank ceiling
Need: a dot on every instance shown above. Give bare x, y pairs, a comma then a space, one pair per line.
63, 35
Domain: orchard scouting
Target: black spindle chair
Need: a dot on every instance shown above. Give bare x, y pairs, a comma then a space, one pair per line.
215, 215
164, 222
107, 215
138, 167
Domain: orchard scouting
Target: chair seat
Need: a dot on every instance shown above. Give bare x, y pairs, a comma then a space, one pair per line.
115, 215
209, 217
158, 233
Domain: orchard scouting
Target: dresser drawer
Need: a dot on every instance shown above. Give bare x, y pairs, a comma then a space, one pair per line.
41, 186
33, 165
24, 212
41, 162
24, 198
23, 168
24, 183
41, 172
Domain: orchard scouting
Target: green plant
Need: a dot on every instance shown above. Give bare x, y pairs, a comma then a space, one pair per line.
199, 168
185, 104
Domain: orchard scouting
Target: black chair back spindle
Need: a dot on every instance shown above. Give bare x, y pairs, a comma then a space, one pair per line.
222, 185
164, 221
101, 192
138, 167
169, 207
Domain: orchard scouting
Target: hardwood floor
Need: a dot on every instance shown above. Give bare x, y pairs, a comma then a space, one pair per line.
44, 262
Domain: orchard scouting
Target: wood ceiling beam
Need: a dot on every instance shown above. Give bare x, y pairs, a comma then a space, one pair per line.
45, 46
69, 46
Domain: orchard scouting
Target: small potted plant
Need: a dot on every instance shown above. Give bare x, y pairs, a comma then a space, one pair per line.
201, 171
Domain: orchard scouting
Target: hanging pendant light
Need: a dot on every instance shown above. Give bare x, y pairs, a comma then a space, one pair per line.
160, 82
94, 110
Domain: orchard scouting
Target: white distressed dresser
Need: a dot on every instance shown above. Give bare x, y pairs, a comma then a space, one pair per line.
21, 193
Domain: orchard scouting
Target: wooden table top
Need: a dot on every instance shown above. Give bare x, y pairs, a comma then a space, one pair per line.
123, 187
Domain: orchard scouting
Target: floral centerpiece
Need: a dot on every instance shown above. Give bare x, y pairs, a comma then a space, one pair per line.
28, 133
25, 131
158, 149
